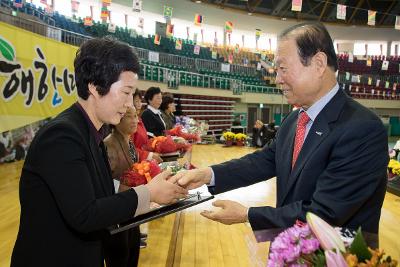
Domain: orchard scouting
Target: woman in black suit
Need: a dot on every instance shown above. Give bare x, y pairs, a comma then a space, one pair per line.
151, 117
66, 188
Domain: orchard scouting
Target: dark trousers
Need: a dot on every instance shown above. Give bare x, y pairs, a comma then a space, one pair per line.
122, 249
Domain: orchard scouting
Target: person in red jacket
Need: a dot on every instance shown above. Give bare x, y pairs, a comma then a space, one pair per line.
140, 138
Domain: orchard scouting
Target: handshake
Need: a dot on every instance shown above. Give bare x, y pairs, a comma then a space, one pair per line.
166, 188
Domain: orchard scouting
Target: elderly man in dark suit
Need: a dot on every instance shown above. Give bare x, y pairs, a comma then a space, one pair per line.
66, 191
329, 156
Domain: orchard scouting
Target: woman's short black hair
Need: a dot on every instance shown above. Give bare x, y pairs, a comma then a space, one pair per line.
166, 100
100, 61
150, 93
311, 38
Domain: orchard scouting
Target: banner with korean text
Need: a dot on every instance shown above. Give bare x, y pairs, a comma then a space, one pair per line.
36, 77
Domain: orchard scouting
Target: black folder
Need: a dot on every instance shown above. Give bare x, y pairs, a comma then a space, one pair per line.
192, 200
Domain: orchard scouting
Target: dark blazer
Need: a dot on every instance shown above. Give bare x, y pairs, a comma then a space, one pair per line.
67, 197
153, 123
340, 173
265, 134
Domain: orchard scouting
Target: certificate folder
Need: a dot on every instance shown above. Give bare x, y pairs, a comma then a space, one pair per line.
160, 212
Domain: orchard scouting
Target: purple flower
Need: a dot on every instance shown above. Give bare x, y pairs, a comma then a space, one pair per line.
309, 245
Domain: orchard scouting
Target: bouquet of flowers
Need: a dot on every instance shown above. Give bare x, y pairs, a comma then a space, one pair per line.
165, 144
316, 243
178, 131
140, 173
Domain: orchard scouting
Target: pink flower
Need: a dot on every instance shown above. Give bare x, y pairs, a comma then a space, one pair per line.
309, 245
334, 259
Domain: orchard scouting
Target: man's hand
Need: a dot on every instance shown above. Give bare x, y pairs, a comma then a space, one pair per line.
164, 192
193, 178
231, 212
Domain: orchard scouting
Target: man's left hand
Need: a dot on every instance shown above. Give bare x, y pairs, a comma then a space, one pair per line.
231, 212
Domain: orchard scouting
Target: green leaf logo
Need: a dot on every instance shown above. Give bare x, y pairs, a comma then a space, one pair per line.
6, 50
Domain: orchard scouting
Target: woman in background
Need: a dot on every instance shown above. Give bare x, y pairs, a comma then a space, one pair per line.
151, 117
167, 111
122, 249
139, 138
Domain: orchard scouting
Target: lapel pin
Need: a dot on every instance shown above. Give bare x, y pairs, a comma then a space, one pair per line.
319, 133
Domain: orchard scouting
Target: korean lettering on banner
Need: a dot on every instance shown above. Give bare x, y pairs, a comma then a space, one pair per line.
34, 78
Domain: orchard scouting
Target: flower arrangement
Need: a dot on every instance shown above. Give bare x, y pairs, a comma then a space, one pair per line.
394, 167
316, 243
228, 136
140, 173
165, 144
180, 132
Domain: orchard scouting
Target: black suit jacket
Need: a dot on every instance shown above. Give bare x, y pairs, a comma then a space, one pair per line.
340, 173
153, 123
67, 197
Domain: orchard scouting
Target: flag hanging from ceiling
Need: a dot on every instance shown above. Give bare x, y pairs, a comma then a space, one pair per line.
88, 21
141, 23
18, 3
167, 12
106, 2
170, 30
215, 39
198, 19
214, 54
230, 59
371, 17
178, 44
237, 49
195, 37
196, 50
157, 39
112, 27
74, 6
44, 2
137, 5
228, 26
397, 25
385, 65
369, 62
258, 34
296, 5
341, 12
104, 13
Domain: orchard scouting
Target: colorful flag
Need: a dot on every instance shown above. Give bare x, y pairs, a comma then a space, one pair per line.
387, 84
157, 39
106, 2
214, 54
170, 30
74, 6
258, 34
228, 26
371, 17
88, 21
369, 62
18, 3
341, 12
104, 13
230, 59
385, 65
44, 2
236, 49
49, 10
198, 19
178, 44
112, 27
397, 24
167, 12
141, 23
369, 81
137, 5
196, 50
296, 5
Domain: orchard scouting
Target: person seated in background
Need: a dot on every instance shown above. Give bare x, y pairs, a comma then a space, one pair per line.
167, 111
263, 134
124, 246
151, 117
139, 137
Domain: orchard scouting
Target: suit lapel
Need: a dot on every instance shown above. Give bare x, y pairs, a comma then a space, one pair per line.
288, 152
318, 132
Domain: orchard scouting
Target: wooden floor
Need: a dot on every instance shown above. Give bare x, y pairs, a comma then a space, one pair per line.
186, 238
